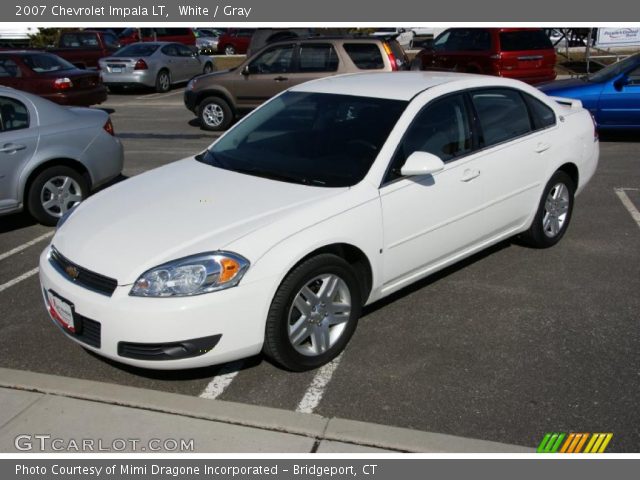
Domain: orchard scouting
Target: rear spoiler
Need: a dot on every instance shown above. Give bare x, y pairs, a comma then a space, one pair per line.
569, 102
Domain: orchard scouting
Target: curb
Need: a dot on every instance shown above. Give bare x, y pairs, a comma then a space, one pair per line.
265, 418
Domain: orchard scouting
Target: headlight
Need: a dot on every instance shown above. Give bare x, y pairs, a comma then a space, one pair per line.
193, 275
65, 216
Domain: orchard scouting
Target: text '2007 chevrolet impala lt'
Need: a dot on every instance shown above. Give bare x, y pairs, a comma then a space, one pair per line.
327, 198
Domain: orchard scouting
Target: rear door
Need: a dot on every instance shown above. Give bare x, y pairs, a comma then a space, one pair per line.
18, 143
314, 60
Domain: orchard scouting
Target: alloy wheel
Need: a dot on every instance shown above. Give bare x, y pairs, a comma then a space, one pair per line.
319, 315
59, 194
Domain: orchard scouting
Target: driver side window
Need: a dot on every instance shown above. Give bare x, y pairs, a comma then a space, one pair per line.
440, 43
441, 128
275, 60
634, 77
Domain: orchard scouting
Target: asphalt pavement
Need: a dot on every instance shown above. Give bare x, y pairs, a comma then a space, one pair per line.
506, 346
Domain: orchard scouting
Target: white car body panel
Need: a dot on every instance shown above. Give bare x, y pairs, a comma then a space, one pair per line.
146, 221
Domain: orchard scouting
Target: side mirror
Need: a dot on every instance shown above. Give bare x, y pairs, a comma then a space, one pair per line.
246, 71
621, 82
421, 163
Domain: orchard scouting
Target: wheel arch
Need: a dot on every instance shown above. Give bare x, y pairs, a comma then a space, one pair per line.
54, 162
353, 255
571, 169
224, 95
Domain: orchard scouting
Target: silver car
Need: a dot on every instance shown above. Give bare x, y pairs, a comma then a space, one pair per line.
51, 156
153, 64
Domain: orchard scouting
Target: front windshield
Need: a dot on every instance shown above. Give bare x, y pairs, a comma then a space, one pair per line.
316, 139
614, 69
45, 63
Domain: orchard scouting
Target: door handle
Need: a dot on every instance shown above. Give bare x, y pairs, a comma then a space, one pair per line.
542, 147
12, 147
469, 175
281, 79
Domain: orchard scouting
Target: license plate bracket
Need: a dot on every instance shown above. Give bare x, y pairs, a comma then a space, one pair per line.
62, 311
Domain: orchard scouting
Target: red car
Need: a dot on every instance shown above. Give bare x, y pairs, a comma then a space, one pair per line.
186, 36
51, 77
522, 53
235, 41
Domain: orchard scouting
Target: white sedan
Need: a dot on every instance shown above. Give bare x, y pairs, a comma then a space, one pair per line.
329, 197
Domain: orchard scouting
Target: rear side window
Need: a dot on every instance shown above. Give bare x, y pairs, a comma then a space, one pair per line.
541, 115
318, 58
13, 114
524, 40
9, 68
366, 56
110, 41
502, 113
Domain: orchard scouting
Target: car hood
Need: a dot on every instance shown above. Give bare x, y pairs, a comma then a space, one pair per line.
180, 209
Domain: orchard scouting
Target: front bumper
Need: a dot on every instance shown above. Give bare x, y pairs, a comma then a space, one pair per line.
236, 315
190, 99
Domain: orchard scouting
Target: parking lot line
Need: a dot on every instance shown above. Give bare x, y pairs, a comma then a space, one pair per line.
219, 383
159, 95
18, 279
26, 245
318, 385
628, 204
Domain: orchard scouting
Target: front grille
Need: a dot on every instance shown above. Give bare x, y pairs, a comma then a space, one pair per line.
86, 278
168, 351
90, 333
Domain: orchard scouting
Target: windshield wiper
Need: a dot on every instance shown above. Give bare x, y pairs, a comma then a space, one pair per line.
270, 175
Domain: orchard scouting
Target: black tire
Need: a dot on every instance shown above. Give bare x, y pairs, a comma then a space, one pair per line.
538, 236
206, 114
163, 81
229, 50
208, 68
116, 88
277, 345
33, 196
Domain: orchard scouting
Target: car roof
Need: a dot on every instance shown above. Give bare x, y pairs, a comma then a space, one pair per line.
397, 85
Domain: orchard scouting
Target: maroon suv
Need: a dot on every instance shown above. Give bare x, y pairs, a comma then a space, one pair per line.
522, 53
51, 77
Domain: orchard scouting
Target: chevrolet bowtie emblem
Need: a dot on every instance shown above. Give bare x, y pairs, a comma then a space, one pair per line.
72, 271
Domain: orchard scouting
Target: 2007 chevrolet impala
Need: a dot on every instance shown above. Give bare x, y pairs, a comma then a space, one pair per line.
329, 197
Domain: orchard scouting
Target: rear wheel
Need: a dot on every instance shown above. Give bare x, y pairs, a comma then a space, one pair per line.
554, 212
229, 50
53, 192
215, 114
163, 81
313, 314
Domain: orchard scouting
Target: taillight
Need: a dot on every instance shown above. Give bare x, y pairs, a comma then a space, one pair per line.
141, 65
391, 56
108, 127
62, 83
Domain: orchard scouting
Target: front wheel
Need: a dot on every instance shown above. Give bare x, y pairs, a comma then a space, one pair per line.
229, 50
215, 114
554, 212
313, 314
208, 68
